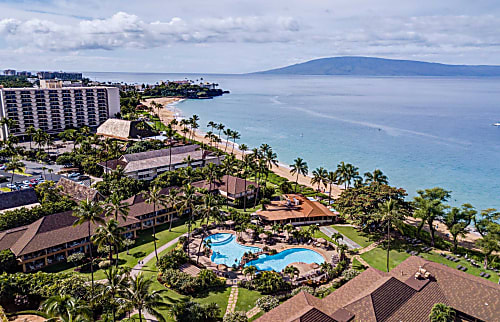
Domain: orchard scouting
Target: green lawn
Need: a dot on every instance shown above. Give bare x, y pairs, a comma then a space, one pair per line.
377, 258
246, 299
356, 264
143, 246
356, 236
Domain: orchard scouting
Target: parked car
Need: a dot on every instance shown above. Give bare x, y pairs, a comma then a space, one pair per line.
11, 186
34, 180
3, 167
26, 182
26, 186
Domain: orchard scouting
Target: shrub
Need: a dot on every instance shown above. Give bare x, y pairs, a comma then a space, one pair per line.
8, 262
237, 316
173, 259
195, 312
323, 291
306, 289
75, 258
270, 282
267, 303
349, 274
3, 317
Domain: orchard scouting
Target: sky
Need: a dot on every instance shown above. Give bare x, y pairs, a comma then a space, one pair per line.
235, 36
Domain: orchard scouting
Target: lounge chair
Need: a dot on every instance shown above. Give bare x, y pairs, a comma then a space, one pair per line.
464, 268
459, 267
481, 274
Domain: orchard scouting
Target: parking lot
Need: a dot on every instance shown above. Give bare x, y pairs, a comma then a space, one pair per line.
36, 172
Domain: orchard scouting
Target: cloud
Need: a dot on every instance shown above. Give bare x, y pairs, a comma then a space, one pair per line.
123, 30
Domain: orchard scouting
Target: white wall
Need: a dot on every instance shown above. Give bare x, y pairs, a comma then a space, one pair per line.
113, 101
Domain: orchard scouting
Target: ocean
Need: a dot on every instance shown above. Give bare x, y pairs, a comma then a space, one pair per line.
421, 132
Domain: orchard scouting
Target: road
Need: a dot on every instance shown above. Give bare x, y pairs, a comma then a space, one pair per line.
36, 171
329, 231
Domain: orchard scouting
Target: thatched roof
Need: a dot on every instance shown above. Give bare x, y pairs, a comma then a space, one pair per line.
123, 129
78, 191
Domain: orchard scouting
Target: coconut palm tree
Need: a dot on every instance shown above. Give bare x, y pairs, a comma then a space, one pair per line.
172, 200
313, 229
139, 295
204, 211
336, 237
30, 131
441, 312
249, 270
235, 136
154, 197
90, 212
342, 248
319, 176
299, 167
111, 289
390, 214
377, 176
170, 134
66, 308
109, 234
289, 228
14, 165
227, 132
347, 173
291, 271
331, 179
188, 200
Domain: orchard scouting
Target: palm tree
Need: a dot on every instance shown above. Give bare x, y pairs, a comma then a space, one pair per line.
249, 270
172, 201
227, 133
247, 159
116, 207
319, 176
271, 160
154, 197
30, 131
347, 173
140, 296
205, 211
110, 290
336, 237
299, 167
430, 206
342, 248
326, 268
389, 212
66, 308
90, 212
291, 271
441, 312
50, 170
331, 179
289, 228
235, 136
14, 165
110, 234
189, 198
377, 176
313, 229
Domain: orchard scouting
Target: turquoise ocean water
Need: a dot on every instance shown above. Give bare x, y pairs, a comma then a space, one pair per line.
422, 132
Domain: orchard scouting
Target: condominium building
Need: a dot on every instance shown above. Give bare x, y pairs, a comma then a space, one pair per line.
56, 109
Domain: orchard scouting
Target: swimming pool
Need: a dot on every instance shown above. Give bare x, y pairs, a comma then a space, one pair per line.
226, 250
282, 259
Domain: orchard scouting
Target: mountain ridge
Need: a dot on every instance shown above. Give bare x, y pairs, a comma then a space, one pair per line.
374, 66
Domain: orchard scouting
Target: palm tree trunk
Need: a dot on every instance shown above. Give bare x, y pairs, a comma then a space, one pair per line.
258, 190
245, 197
170, 222
199, 248
91, 267
296, 182
154, 230
330, 195
388, 242
140, 315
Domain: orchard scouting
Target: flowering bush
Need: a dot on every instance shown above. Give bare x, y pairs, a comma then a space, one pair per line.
237, 316
306, 289
349, 274
267, 303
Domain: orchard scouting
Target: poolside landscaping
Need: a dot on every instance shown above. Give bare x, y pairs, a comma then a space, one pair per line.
359, 237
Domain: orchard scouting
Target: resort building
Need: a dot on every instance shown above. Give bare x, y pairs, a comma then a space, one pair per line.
230, 187
25, 198
77, 191
407, 293
124, 130
56, 109
147, 165
60, 75
296, 210
53, 238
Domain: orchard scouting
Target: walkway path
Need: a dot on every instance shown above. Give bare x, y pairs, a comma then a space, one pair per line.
233, 299
253, 312
137, 268
329, 231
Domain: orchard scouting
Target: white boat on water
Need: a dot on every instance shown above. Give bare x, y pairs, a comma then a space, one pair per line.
496, 124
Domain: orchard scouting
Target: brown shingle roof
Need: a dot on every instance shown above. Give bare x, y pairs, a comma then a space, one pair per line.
228, 184
138, 205
281, 210
54, 230
379, 296
14, 199
78, 191
123, 129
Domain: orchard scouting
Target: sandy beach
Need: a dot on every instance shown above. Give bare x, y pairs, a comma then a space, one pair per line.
170, 112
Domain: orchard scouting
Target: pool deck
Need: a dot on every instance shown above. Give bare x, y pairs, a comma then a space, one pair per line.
279, 246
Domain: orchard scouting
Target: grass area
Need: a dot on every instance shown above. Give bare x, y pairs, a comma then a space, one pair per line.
246, 299
359, 237
219, 296
356, 264
256, 316
143, 246
377, 258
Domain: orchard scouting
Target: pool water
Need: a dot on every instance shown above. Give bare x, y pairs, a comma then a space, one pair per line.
226, 250
282, 259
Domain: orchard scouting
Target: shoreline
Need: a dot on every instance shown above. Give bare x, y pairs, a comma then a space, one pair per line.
170, 111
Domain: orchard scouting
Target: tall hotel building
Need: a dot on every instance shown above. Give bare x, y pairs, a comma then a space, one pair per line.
54, 108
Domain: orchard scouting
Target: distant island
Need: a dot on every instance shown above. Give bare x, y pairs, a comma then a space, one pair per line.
372, 66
